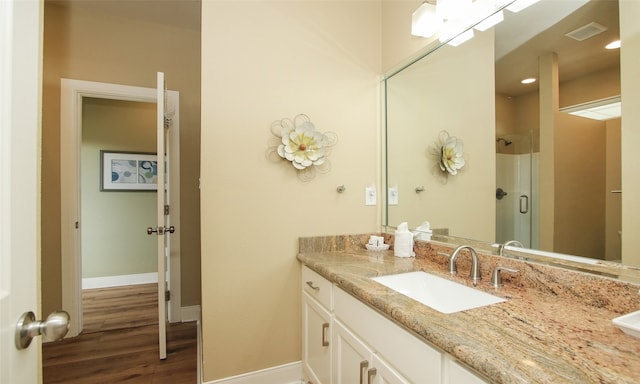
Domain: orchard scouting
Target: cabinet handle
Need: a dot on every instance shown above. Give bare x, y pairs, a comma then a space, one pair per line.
370, 373
325, 326
363, 365
310, 283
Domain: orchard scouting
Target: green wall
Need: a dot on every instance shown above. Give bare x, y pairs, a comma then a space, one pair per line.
114, 239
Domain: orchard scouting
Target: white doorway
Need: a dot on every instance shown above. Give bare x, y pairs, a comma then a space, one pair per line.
72, 94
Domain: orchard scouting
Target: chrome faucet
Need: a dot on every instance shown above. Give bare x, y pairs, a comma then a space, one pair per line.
515, 243
475, 264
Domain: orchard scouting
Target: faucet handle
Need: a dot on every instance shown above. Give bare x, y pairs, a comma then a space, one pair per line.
496, 280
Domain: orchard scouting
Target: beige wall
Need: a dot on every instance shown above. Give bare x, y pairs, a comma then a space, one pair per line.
594, 86
264, 61
580, 172
113, 222
425, 99
630, 73
95, 47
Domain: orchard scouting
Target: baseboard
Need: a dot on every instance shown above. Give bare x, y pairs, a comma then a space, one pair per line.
118, 281
190, 313
282, 374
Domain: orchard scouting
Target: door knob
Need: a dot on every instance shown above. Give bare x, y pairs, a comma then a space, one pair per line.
53, 328
160, 230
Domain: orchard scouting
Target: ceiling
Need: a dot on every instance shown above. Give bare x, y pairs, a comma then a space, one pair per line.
176, 13
516, 60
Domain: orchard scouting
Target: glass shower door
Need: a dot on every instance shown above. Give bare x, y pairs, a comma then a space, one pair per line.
514, 189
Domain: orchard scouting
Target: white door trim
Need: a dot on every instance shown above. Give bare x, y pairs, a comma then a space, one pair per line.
71, 94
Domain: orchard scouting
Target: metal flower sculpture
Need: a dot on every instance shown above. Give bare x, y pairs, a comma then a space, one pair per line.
448, 151
300, 143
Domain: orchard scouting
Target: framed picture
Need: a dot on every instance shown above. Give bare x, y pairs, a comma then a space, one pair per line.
128, 171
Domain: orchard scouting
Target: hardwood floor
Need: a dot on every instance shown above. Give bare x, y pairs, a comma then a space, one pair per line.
119, 307
119, 343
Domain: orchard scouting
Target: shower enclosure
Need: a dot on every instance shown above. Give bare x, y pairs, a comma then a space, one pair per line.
516, 186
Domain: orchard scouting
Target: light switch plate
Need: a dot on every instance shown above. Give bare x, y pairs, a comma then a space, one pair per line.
370, 196
393, 195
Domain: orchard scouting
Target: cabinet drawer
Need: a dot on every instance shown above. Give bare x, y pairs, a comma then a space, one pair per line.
317, 287
413, 358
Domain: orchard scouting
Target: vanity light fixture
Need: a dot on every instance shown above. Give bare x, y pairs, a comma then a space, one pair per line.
452, 9
460, 38
529, 80
450, 18
490, 21
613, 45
519, 5
424, 21
487, 9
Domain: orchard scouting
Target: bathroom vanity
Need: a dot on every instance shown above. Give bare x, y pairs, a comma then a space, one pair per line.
554, 327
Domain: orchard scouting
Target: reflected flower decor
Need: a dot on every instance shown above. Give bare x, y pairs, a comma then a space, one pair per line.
301, 144
448, 152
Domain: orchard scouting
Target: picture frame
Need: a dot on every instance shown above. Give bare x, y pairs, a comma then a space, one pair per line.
128, 171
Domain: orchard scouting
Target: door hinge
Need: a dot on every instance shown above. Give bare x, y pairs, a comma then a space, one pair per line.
166, 210
167, 295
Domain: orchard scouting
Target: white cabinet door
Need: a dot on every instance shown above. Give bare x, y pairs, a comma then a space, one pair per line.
384, 374
457, 374
351, 358
354, 362
316, 348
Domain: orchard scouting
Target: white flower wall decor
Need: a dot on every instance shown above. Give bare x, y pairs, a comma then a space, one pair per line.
300, 143
448, 152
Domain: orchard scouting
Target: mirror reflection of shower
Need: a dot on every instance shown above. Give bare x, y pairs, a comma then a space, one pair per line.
516, 176
506, 142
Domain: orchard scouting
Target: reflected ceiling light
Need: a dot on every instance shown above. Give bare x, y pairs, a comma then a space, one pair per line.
613, 45
485, 10
529, 80
519, 5
490, 21
461, 38
603, 109
453, 33
424, 21
450, 18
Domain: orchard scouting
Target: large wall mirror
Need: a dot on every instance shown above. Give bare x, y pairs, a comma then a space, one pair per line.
536, 169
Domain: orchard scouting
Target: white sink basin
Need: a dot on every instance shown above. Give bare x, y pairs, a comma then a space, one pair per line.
443, 295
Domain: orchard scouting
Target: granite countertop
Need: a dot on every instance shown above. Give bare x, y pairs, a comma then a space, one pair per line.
555, 326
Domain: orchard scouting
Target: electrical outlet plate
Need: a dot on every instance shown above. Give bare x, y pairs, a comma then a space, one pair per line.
370, 196
393, 195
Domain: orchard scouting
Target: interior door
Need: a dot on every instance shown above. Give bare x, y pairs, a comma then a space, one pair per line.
20, 90
163, 229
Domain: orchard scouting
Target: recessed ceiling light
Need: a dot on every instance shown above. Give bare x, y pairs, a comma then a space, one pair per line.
528, 81
613, 45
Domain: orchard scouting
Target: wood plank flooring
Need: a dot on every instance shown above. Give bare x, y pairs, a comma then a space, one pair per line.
131, 306
119, 343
